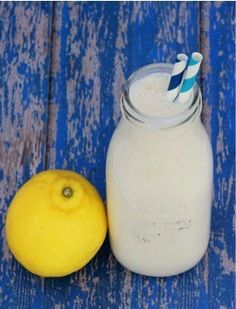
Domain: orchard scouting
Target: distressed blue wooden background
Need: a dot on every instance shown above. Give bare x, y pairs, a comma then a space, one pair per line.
62, 67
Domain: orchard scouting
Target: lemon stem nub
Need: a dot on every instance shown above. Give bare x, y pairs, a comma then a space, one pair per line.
67, 192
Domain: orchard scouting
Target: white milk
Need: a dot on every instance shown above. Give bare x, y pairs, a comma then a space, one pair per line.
159, 184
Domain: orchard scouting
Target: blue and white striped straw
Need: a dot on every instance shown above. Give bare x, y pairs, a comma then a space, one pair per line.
176, 77
190, 77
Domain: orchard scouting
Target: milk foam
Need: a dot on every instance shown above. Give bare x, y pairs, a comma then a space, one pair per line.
148, 95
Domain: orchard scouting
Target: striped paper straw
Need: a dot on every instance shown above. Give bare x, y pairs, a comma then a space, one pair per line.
190, 77
176, 76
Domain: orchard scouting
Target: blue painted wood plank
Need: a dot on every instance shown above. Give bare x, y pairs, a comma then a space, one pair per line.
24, 83
218, 86
96, 46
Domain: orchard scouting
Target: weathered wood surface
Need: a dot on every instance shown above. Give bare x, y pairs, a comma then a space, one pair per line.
24, 84
218, 86
62, 69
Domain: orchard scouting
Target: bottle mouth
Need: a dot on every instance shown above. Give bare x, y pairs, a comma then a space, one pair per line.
134, 115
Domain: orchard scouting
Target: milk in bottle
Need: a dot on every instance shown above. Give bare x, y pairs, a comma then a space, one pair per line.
159, 178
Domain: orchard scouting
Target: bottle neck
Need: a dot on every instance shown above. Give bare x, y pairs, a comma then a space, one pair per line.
189, 114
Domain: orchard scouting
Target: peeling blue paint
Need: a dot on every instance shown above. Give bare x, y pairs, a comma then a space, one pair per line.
62, 68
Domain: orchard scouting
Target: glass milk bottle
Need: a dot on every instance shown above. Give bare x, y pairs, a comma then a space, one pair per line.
159, 178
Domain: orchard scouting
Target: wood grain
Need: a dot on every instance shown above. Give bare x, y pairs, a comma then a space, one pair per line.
24, 64
218, 47
63, 67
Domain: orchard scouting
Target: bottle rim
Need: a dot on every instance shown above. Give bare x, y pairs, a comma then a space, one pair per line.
132, 114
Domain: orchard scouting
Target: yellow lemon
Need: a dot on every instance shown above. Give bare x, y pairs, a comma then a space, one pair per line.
56, 223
